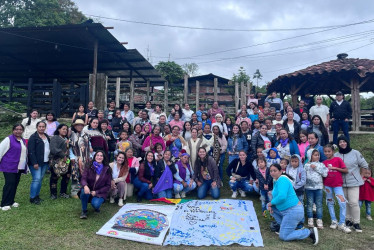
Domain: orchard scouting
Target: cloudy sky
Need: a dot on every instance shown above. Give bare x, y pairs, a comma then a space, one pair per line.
271, 51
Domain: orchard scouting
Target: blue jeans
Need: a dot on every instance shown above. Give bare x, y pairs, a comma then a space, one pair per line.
233, 157
37, 179
144, 190
288, 220
167, 193
314, 197
264, 199
203, 189
96, 202
336, 125
367, 206
220, 166
179, 187
242, 184
338, 191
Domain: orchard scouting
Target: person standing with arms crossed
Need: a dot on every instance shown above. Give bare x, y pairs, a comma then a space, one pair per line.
340, 113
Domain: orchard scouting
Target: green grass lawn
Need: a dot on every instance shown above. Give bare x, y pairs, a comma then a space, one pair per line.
56, 224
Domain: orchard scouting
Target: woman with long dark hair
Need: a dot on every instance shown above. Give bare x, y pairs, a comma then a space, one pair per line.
319, 128
97, 139
80, 114
137, 139
52, 123
186, 134
219, 149
13, 155
120, 170
286, 145
96, 183
164, 172
145, 181
235, 143
154, 138
29, 124
291, 125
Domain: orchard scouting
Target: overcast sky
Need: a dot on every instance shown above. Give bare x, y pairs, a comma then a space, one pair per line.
272, 59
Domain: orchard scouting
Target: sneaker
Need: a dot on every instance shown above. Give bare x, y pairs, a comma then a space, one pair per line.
357, 228
35, 201
6, 208
319, 224
15, 204
83, 215
310, 222
368, 217
183, 194
97, 210
234, 194
53, 196
177, 196
111, 200
242, 193
120, 202
334, 224
344, 228
65, 196
314, 235
348, 223
39, 199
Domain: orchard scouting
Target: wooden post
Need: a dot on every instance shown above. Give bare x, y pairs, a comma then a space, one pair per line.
56, 98
215, 89
11, 85
293, 95
29, 95
102, 91
94, 74
166, 90
242, 94
185, 92
356, 110
148, 90
236, 96
118, 91
197, 95
91, 87
248, 88
132, 85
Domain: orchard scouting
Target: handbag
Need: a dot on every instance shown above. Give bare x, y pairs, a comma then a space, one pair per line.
59, 166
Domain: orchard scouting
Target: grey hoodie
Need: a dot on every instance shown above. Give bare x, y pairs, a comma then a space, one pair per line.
354, 161
300, 177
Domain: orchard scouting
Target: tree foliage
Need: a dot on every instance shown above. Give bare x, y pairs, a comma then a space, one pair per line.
23, 13
241, 76
257, 75
191, 69
171, 71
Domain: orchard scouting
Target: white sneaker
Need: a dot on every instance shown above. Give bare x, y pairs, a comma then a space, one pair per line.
177, 196
111, 199
234, 194
242, 193
15, 204
183, 194
310, 222
368, 217
120, 202
6, 208
334, 224
319, 224
344, 228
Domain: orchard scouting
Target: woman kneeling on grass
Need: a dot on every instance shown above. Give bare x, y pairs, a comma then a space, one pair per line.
96, 182
286, 208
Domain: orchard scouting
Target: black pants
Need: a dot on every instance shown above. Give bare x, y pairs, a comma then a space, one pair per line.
64, 182
10, 188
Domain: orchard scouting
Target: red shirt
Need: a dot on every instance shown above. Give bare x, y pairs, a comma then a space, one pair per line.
367, 190
334, 178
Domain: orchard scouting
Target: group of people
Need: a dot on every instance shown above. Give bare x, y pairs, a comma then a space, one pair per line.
280, 152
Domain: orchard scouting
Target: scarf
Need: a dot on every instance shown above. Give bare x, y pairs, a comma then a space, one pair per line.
347, 149
151, 168
283, 142
98, 167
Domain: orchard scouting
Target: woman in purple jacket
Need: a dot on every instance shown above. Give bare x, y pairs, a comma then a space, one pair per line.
13, 154
96, 183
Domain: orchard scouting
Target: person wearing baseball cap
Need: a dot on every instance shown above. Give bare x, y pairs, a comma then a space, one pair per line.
340, 113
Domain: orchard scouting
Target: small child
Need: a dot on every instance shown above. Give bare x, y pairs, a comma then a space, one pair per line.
315, 171
159, 152
303, 143
284, 163
264, 182
123, 144
367, 191
271, 156
296, 170
334, 184
259, 154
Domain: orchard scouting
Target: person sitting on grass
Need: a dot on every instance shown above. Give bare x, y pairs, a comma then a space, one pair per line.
96, 183
183, 182
145, 180
286, 208
120, 170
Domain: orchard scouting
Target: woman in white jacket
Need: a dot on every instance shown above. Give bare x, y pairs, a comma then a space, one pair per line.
30, 124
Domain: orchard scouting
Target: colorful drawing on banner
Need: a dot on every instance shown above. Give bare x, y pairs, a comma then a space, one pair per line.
171, 201
140, 222
143, 222
220, 223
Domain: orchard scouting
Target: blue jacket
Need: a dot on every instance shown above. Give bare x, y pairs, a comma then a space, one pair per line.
322, 156
294, 149
242, 144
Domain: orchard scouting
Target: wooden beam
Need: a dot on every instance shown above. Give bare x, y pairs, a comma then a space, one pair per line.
118, 91
236, 96
364, 81
166, 90
185, 91
197, 95
94, 71
132, 95
345, 82
215, 89
300, 86
293, 95
102, 91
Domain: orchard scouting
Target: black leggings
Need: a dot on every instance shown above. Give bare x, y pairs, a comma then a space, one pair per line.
64, 182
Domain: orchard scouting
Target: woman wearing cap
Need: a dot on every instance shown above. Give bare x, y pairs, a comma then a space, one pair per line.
79, 153
352, 181
183, 182
13, 154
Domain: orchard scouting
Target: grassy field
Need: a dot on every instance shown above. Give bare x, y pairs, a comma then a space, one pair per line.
56, 224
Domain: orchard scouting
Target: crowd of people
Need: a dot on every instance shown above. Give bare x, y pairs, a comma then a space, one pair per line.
280, 152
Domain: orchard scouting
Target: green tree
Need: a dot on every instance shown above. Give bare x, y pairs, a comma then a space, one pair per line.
257, 75
22, 13
191, 69
241, 76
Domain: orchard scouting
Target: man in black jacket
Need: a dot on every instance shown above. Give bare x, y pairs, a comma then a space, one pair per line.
340, 113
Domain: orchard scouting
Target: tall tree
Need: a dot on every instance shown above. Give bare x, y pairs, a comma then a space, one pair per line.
257, 75
241, 76
173, 73
22, 13
191, 69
